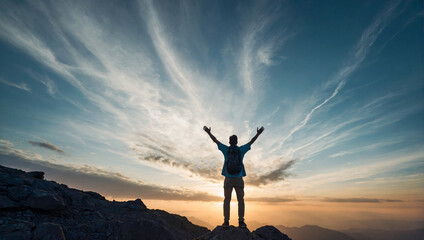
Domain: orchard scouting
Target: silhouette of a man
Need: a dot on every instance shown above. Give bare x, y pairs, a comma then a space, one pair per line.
234, 180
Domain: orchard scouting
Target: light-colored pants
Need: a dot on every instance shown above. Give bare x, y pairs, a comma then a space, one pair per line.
238, 185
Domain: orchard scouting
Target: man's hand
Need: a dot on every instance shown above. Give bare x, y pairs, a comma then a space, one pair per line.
208, 130
260, 130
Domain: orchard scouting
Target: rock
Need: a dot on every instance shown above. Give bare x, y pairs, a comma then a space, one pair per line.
262, 233
32, 208
36, 174
136, 205
49, 186
87, 204
28, 213
6, 202
16, 230
270, 233
84, 200
44, 200
144, 230
98, 226
223, 233
95, 195
179, 224
48, 231
19, 193
8, 180
75, 198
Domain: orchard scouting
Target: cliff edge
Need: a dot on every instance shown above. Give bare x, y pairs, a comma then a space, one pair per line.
34, 208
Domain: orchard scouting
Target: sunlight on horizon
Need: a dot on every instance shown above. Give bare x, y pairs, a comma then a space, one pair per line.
339, 216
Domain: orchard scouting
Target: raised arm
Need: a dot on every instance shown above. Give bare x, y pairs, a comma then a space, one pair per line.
258, 132
208, 131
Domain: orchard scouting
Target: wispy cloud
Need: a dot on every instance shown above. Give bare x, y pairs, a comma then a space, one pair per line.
21, 86
259, 46
110, 184
9, 149
275, 175
369, 169
360, 51
47, 145
359, 200
143, 95
46, 81
366, 148
271, 199
366, 122
5, 143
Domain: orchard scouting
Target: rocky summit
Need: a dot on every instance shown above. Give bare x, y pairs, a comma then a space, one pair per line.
34, 208
262, 233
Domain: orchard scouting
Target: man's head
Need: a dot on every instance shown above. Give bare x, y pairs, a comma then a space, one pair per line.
233, 140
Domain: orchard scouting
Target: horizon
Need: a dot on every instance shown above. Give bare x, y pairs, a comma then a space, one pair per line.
112, 97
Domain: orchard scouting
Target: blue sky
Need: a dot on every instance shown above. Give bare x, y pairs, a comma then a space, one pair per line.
121, 91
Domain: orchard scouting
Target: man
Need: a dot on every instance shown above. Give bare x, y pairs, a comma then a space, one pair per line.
234, 171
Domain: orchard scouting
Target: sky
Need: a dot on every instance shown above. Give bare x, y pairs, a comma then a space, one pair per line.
112, 96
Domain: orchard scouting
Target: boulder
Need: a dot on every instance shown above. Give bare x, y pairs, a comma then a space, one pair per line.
143, 229
95, 195
19, 193
98, 226
36, 174
81, 200
270, 233
16, 230
43, 200
28, 213
48, 231
10, 180
6, 202
179, 224
231, 232
262, 233
136, 205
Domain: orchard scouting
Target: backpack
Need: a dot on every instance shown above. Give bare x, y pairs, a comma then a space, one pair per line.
234, 163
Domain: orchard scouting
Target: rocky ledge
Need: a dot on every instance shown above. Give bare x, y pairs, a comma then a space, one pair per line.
262, 233
34, 208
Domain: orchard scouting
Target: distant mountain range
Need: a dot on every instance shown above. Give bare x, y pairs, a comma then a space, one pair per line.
371, 234
309, 232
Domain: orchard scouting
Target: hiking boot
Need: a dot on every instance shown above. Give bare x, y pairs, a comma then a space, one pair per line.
242, 224
226, 224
